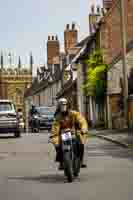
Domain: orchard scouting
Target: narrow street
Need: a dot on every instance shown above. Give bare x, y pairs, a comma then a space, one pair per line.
28, 171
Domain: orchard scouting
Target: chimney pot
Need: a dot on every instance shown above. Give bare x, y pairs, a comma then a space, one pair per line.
98, 9
92, 9
52, 37
73, 26
49, 37
56, 37
67, 27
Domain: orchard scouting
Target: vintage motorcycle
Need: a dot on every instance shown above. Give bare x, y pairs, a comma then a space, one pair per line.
71, 154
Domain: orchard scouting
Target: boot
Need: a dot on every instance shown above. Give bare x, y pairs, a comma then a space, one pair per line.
83, 165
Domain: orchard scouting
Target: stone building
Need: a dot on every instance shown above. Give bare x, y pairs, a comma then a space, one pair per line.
14, 81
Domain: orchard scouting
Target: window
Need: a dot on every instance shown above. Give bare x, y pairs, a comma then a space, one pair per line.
5, 106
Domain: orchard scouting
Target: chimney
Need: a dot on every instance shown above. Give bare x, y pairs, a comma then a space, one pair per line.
56, 37
70, 37
93, 18
98, 10
107, 4
53, 49
92, 9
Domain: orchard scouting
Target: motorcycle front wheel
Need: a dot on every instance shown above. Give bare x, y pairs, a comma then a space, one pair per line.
68, 166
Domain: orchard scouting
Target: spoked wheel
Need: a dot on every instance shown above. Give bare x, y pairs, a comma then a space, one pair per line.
68, 167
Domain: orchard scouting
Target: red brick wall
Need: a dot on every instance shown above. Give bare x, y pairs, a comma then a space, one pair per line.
111, 32
70, 37
53, 49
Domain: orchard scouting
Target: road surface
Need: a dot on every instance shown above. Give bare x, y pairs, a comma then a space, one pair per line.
28, 171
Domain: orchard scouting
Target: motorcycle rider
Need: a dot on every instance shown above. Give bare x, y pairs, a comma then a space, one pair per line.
33, 122
67, 118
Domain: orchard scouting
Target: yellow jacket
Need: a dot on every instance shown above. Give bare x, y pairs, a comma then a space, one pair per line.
76, 118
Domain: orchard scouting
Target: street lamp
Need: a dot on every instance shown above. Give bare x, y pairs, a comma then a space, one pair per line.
124, 44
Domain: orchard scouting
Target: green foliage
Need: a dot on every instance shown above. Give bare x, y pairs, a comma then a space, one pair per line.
95, 84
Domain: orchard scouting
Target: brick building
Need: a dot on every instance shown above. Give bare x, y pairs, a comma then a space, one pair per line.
111, 29
110, 41
51, 79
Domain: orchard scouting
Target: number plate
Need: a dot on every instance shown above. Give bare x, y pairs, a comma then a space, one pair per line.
66, 136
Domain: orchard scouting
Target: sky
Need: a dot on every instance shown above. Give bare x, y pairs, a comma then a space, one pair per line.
26, 24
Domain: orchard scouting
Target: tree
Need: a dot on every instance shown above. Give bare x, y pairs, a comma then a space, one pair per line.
95, 84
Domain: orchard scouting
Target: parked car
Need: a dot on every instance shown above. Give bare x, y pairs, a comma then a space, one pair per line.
42, 119
9, 120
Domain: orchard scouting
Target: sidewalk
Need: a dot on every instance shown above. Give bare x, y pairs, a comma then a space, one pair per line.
122, 137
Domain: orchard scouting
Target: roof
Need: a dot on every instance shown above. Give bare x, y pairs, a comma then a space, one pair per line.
85, 44
82, 42
79, 54
65, 88
45, 82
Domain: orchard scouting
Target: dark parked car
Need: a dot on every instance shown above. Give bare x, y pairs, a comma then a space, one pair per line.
9, 120
42, 119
